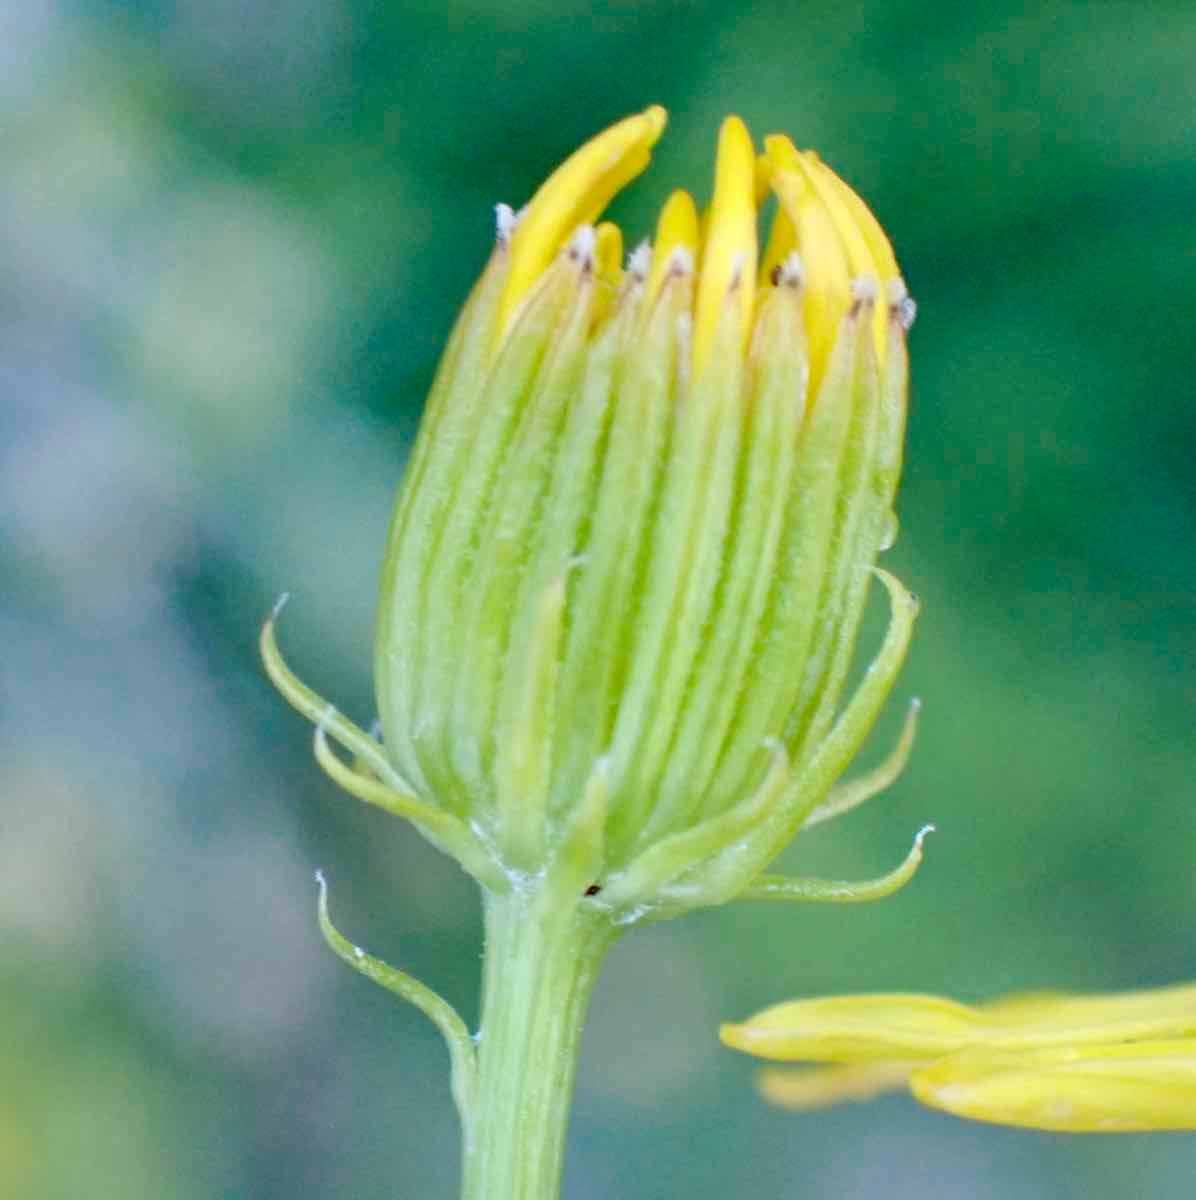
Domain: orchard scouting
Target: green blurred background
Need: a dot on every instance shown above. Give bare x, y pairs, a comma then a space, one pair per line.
234, 234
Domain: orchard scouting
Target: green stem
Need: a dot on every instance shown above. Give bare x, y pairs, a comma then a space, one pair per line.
543, 951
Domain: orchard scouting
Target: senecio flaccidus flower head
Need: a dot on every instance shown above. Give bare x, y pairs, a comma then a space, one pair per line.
628, 563
1121, 1062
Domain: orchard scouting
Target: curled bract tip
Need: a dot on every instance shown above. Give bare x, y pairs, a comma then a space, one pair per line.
840, 891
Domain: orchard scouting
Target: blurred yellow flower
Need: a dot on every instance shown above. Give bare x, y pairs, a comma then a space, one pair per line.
1118, 1063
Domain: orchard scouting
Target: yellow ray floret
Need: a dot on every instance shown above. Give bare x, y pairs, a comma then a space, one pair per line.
824, 266
608, 239
866, 248
729, 251
858, 1029
914, 1026
782, 237
677, 229
837, 237
860, 215
821, 228
824, 1087
608, 255
1137, 1087
1105, 1063
575, 194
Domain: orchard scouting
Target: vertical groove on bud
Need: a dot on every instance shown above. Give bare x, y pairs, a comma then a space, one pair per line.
854, 538
775, 407
507, 532
523, 760
684, 565
881, 469
790, 626
451, 559
608, 582
564, 527
438, 462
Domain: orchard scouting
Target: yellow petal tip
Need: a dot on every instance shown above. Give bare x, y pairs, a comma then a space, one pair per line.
575, 194
730, 250
676, 229
655, 117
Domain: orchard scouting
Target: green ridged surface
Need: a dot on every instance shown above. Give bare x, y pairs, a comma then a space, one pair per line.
444, 577
606, 591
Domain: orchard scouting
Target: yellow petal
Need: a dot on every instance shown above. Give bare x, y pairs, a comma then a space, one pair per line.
822, 1087
860, 260
677, 229
836, 235
729, 248
575, 194
1101, 1089
860, 215
608, 251
782, 241
1060, 1019
879, 1026
608, 258
866, 248
858, 1029
762, 180
824, 265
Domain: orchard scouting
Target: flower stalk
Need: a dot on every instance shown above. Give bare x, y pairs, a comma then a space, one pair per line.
543, 953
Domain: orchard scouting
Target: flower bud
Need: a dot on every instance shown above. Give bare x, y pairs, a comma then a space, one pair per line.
629, 559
